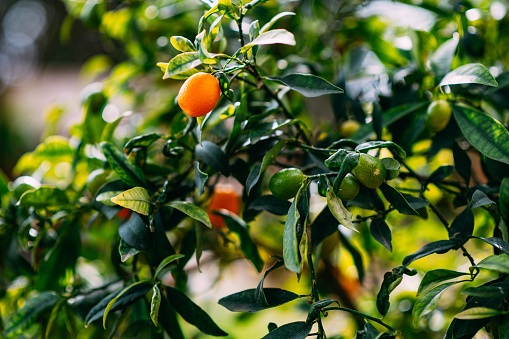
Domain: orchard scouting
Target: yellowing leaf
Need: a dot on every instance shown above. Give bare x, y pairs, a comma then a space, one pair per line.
339, 211
135, 199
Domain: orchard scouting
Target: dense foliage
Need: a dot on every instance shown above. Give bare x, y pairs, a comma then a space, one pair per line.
400, 134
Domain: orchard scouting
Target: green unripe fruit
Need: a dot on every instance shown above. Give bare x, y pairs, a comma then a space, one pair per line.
285, 184
370, 171
438, 115
349, 188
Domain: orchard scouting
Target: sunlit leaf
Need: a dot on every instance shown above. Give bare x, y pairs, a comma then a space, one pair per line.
181, 63
429, 301
192, 210
166, 262
478, 313
155, 304
276, 36
499, 263
136, 199
469, 74
272, 21
435, 277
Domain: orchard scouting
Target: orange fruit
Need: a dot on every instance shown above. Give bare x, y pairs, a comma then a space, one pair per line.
224, 197
199, 94
124, 213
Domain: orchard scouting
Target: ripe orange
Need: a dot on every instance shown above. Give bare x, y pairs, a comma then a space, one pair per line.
224, 197
124, 214
199, 94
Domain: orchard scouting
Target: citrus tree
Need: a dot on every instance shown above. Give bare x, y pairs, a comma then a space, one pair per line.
304, 138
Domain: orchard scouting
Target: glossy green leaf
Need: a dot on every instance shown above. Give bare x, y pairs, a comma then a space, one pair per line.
478, 313
245, 301
484, 132
434, 277
368, 332
247, 245
497, 290
213, 156
295, 330
381, 232
191, 210
44, 197
275, 36
462, 226
308, 85
28, 314
479, 198
339, 211
392, 167
504, 199
270, 204
397, 200
192, 313
53, 316
136, 233
336, 159
272, 21
498, 243
130, 174
200, 178
126, 251
136, 199
141, 141
469, 74
429, 301
290, 241
365, 147
181, 63
441, 246
266, 128
499, 263
416, 203
441, 59
349, 162
105, 197
228, 9
166, 262
168, 319
182, 44
155, 304
254, 175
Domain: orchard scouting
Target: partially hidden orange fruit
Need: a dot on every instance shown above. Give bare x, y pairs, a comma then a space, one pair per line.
199, 94
224, 197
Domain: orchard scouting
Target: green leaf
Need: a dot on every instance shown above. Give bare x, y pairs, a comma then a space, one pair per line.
135, 232
192, 313
365, 147
272, 21
498, 290
247, 245
227, 8
44, 197
270, 204
336, 159
308, 85
141, 141
257, 170
478, 313
339, 211
441, 173
462, 163
182, 44
126, 251
140, 329
200, 178
130, 174
381, 232
434, 277
28, 314
469, 74
350, 161
276, 36
168, 260
245, 301
441, 246
504, 199
368, 332
213, 156
484, 133
182, 63
479, 198
191, 210
295, 330
441, 60
498, 243
392, 167
168, 319
391, 280
397, 200
105, 198
136, 199
462, 226
499, 263
290, 241
155, 304
429, 301
114, 300
53, 316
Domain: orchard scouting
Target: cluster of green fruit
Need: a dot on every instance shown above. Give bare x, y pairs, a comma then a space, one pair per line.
370, 172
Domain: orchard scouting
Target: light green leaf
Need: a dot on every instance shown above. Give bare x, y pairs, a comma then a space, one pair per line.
136, 199
499, 263
276, 36
166, 261
478, 313
441, 60
469, 74
434, 277
429, 301
44, 197
182, 44
485, 133
339, 211
105, 197
191, 210
155, 304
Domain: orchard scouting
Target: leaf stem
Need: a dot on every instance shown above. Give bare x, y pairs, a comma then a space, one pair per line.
365, 316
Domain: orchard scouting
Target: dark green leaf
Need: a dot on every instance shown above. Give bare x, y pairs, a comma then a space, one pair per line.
141, 141
247, 245
134, 294
140, 329
469, 74
504, 199
44, 197
434, 277
307, 84
155, 304
441, 59
336, 159
485, 133
290, 241
368, 332
416, 203
26, 316
478, 313
168, 319
392, 167
213, 156
245, 301
182, 63
462, 226
167, 261
397, 200
192, 313
200, 178
441, 173
270, 204
257, 170
462, 163
351, 160
479, 198
191, 210
129, 290
429, 301
381, 232
127, 172
441, 246
295, 330
126, 251
380, 144
135, 232
499, 263
391, 281
498, 243
499, 290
